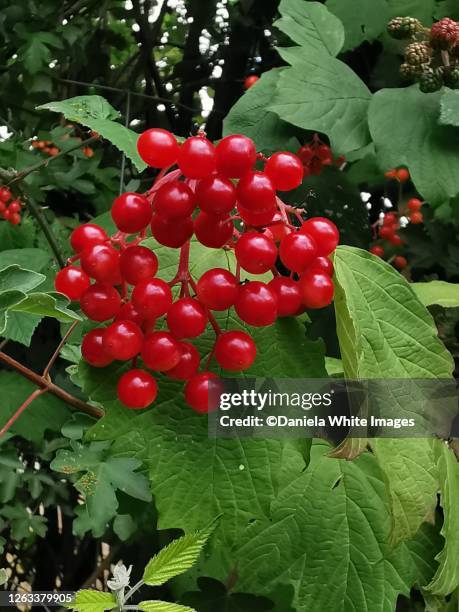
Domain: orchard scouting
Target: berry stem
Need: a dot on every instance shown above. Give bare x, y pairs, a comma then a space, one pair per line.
55, 355
40, 217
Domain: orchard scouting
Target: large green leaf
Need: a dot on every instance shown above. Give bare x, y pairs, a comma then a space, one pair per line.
404, 126
30, 259
421, 9
449, 108
311, 25
362, 19
47, 305
163, 606
88, 600
437, 292
97, 114
322, 93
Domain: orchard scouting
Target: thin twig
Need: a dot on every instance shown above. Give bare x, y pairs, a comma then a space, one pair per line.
42, 221
55, 355
21, 409
126, 124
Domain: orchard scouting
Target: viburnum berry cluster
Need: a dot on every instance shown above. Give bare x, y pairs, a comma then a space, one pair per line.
401, 175
219, 196
250, 81
10, 206
315, 155
432, 56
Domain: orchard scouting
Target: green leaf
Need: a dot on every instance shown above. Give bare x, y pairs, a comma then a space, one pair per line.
404, 126
97, 114
89, 600
124, 526
176, 558
362, 19
421, 9
29, 259
311, 25
449, 108
437, 292
20, 327
47, 305
3, 576
163, 606
250, 116
16, 278
323, 94
446, 579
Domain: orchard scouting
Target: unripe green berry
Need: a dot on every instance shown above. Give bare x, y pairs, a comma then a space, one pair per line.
431, 80
403, 27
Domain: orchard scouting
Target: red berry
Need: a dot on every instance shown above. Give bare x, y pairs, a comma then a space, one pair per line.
323, 152
390, 219
72, 282
444, 34
377, 250
316, 289
256, 253
321, 264
305, 154
172, 233
2, 207
197, 157
217, 289
137, 389
100, 302
316, 166
152, 297
128, 312
395, 240
391, 174
158, 148
102, 262
256, 304
131, 212
86, 236
15, 206
5, 194
288, 295
188, 363
197, 394
386, 232
400, 262
255, 192
416, 218
277, 230
161, 351
285, 170
216, 195
137, 263
123, 340
414, 205
236, 155
6, 214
212, 231
186, 318
297, 251
255, 218
402, 175
324, 233
14, 218
92, 349
250, 81
174, 200
235, 351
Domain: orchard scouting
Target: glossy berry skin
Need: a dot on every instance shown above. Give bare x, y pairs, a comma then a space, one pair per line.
197, 392
14, 218
72, 282
92, 349
236, 155
390, 219
255, 192
324, 233
288, 295
172, 233
152, 297
186, 318
123, 340
400, 262
131, 212
216, 195
5, 194
414, 205
297, 251
416, 218
100, 302
197, 158
250, 81
137, 263
86, 236
235, 351
128, 312
386, 232
377, 250
285, 170
278, 229
256, 253
321, 264
160, 351
316, 289
217, 289
15, 206
254, 218
102, 262
174, 200
188, 363
402, 175
256, 304
137, 389
158, 148
211, 231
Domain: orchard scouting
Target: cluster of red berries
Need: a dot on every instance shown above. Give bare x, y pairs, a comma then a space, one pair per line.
315, 155
46, 146
10, 208
238, 209
401, 175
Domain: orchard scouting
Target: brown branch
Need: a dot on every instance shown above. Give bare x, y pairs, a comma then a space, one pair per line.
55, 355
21, 409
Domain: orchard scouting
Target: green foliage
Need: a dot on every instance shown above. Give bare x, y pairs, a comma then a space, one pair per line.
88, 600
437, 292
362, 20
449, 108
162, 606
